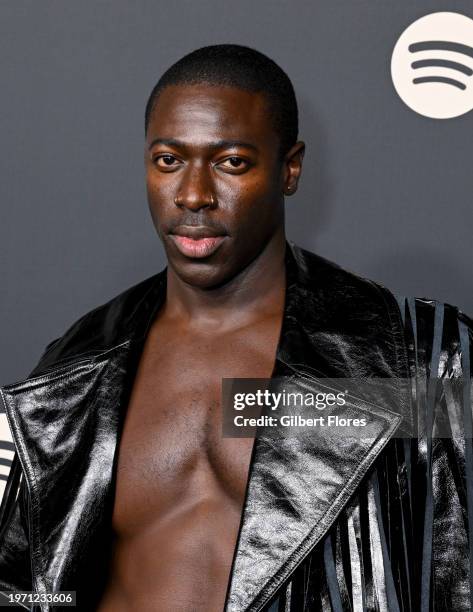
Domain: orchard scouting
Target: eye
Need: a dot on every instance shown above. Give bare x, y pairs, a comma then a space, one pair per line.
234, 164
166, 161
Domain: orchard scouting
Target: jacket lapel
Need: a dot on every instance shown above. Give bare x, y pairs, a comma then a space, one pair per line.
334, 326
65, 425
297, 487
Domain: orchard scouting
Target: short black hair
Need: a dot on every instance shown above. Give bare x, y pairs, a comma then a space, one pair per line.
241, 67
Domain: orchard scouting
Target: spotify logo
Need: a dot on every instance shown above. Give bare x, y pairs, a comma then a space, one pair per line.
432, 65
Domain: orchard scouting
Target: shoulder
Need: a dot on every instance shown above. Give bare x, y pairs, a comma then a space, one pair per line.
346, 298
430, 326
317, 269
328, 279
99, 329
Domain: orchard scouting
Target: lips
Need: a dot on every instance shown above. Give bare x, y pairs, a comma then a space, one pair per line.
196, 241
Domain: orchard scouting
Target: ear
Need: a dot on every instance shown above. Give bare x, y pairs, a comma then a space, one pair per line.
293, 167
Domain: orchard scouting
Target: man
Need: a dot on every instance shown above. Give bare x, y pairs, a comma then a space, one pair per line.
123, 488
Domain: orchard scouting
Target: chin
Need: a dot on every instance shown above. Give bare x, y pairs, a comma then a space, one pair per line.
201, 275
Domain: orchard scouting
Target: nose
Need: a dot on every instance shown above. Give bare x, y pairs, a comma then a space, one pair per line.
196, 190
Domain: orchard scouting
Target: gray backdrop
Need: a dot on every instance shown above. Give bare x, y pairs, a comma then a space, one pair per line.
385, 192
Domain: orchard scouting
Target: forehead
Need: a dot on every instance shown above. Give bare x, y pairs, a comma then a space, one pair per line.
199, 113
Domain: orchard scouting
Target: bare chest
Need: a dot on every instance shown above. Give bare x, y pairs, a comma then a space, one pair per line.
172, 451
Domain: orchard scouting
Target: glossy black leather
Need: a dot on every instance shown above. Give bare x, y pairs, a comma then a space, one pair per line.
330, 523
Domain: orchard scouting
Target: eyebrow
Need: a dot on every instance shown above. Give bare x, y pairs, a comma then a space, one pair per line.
219, 144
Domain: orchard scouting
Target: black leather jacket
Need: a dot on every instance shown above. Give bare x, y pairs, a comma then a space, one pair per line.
338, 524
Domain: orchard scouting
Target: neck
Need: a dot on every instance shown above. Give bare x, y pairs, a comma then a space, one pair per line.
256, 292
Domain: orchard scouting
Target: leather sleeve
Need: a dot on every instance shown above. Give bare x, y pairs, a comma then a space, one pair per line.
15, 567
15, 564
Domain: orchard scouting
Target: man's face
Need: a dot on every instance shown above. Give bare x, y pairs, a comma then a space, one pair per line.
214, 180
